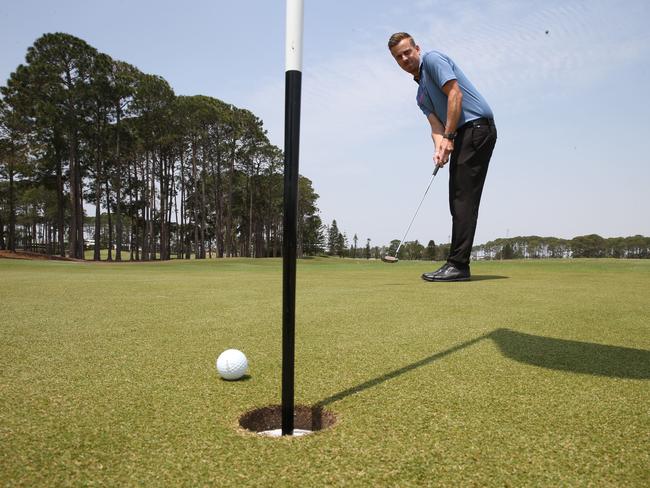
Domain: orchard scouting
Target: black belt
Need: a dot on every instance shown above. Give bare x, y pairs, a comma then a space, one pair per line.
477, 123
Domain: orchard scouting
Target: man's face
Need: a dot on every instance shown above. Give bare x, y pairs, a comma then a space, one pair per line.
407, 56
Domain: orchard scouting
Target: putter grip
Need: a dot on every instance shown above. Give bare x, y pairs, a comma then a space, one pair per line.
436, 170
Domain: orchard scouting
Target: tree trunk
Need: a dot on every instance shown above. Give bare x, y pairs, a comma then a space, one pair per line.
80, 213
276, 240
110, 224
231, 178
152, 209
249, 244
179, 250
140, 249
218, 231
204, 210
219, 206
12, 208
164, 207
259, 238
118, 190
171, 196
76, 217
267, 232
49, 230
197, 253
184, 253
76, 185
98, 210
3, 244
73, 196
33, 238
60, 201
132, 241
145, 209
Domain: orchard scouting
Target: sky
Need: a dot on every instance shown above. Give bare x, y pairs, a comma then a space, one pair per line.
566, 79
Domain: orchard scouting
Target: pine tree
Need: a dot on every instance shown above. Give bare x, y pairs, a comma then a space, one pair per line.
332, 239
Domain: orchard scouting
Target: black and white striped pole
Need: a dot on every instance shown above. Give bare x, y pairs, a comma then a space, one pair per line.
293, 79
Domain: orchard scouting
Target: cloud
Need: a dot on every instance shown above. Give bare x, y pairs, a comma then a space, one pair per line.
364, 141
347, 99
505, 45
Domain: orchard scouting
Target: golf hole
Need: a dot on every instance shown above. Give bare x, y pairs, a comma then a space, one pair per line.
267, 421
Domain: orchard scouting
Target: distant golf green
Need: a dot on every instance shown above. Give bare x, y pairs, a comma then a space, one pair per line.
537, 373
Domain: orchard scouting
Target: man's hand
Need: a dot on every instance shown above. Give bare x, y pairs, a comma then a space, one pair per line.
444, 148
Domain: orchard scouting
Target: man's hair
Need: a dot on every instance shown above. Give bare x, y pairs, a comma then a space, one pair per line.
398, 37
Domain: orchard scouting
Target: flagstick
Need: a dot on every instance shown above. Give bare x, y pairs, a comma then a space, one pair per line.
293, 79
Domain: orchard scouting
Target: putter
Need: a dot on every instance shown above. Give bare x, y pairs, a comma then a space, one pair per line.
394, 259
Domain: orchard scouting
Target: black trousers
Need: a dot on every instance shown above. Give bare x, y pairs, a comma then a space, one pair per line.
467, 171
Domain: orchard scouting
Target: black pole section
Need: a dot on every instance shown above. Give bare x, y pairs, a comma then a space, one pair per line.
291, 144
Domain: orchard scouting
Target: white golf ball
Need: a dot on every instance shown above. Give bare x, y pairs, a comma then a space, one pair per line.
232, 364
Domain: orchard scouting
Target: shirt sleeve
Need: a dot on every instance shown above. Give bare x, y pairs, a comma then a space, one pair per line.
439, 68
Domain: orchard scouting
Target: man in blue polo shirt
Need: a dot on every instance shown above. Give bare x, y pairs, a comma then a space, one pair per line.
464, 134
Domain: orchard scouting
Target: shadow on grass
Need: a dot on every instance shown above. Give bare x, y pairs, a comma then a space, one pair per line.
474, 278
488, 277
573, 356
246, 377
546, 352
398, 372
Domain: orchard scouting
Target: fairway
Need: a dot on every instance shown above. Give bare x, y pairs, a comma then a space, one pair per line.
536, 373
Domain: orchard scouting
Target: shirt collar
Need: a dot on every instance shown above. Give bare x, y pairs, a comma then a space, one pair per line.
419, 76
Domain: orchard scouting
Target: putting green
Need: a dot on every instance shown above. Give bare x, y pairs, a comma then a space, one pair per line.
535, 373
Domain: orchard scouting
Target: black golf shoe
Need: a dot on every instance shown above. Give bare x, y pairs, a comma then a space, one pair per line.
448, 272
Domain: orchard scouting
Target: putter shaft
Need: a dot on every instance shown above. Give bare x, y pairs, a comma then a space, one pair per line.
435, 171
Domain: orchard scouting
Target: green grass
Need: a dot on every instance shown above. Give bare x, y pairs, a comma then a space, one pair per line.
535, 374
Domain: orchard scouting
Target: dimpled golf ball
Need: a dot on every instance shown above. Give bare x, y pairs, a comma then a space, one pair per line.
232, 364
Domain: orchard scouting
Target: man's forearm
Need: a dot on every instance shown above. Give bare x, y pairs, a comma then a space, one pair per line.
454, 105
437, 129
437, 139
437, 132
436, 126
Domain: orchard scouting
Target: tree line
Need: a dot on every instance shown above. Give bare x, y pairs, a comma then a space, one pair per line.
171, 175
523, 247
168, 175
333, 242
588, 246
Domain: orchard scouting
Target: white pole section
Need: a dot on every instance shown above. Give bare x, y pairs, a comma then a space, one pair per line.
293, 45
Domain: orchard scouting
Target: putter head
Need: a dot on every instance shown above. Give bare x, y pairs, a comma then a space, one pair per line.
389, 259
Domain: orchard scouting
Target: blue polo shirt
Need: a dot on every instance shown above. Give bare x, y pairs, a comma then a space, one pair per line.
436, 69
